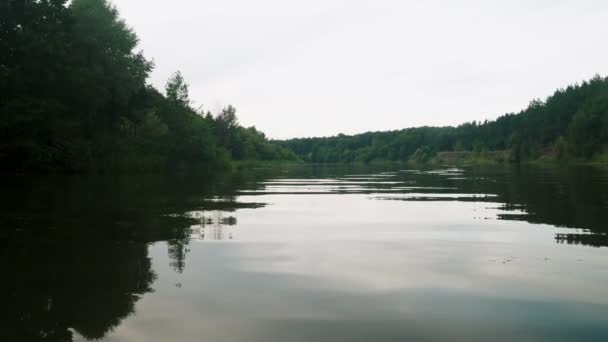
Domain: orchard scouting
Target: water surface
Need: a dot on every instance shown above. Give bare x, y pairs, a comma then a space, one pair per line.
308, 253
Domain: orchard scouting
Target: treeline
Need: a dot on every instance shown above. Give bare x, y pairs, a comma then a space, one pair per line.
74, 97
571, 124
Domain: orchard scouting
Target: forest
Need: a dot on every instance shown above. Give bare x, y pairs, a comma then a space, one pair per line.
74, 97
570, 125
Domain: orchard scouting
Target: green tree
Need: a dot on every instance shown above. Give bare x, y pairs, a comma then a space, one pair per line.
226, 123
177, 89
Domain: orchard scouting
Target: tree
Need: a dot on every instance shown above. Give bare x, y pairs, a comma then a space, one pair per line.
73, 97
225, 123
107, 72
578, 113
34, 45
227, 118
177, 89
587, 129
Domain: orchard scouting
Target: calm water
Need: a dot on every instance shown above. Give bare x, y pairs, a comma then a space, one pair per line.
308, 254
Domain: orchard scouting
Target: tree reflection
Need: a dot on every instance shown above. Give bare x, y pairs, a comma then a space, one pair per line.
51, 287
74, 250
566, 196
177, 249
562, 196
569, 197
213, 225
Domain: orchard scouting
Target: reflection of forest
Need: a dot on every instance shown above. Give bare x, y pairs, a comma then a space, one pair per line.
569, 197
212, 226
595, 240
52, 287
209, 226
74, 250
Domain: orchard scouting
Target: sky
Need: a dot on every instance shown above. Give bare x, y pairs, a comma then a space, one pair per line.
324, 67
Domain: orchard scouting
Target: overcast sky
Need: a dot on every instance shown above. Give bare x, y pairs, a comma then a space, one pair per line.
323, 67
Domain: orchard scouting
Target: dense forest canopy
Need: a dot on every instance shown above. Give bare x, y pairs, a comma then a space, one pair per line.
570, 124
74, 97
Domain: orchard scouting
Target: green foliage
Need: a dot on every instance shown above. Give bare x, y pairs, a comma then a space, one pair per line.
422, 155
73, 97
589, 127
560, 149
177, 89
570, 124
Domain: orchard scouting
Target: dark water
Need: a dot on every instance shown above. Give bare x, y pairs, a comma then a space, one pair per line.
308, 254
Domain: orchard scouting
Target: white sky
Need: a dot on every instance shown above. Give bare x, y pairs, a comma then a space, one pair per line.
323, 67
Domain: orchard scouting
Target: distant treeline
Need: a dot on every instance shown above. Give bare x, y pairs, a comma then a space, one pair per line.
74, 97
571, 124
